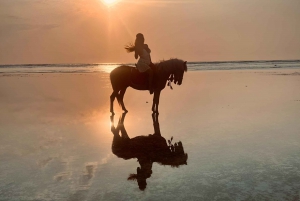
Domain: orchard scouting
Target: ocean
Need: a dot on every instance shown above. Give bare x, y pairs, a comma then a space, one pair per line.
108, 67
239, 129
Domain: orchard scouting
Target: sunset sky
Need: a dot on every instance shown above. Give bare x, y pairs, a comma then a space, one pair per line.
89, 31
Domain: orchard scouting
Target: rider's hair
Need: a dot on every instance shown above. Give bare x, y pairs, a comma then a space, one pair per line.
139, 41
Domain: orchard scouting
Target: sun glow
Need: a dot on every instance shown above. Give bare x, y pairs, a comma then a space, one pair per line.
110, 2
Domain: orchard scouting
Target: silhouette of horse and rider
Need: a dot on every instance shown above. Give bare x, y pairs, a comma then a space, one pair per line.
146, 75
153, 77
146, 149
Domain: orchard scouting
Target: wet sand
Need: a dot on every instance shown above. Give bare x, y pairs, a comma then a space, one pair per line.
240, 130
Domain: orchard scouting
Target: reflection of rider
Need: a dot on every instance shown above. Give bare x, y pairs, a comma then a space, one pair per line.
142, 50
147, 149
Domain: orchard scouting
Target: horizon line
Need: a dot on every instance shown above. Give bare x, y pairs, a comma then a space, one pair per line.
107, 63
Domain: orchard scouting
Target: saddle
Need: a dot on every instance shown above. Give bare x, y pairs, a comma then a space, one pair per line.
138, 78
141, 79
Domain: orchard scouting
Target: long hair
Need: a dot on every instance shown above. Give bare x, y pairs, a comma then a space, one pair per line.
130, 47
139, 41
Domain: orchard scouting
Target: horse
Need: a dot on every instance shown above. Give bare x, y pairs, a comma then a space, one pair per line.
147, 149
171, 70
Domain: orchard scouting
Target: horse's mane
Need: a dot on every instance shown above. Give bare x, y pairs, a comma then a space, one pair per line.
170, 64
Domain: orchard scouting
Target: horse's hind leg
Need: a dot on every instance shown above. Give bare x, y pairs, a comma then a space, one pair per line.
120, 99
112, 98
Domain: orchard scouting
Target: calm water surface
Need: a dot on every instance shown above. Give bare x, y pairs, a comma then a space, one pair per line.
239, 133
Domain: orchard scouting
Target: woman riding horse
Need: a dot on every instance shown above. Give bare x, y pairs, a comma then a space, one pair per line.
168, 71
142, 50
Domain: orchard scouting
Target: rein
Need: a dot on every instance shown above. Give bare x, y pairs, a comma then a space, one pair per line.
170, 80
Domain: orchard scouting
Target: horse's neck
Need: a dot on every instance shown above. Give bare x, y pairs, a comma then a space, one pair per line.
167, 71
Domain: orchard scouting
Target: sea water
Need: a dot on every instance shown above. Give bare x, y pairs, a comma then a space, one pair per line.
108, 67
239, 128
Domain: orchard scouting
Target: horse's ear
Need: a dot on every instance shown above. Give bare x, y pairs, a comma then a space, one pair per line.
185, 62
185, 66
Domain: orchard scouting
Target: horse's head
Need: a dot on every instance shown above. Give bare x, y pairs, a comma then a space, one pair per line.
175, 68
180, 68
176, 155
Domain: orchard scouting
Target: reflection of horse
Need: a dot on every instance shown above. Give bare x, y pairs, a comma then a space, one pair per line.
126, 76
147, 149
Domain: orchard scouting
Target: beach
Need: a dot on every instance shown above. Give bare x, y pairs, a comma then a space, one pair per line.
240, 129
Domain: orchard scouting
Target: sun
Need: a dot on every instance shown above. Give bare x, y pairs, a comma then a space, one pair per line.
109, 3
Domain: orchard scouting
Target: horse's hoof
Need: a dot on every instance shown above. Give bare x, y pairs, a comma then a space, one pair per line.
125, 111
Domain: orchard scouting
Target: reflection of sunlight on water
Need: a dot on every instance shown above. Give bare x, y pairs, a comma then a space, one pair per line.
99, 123
108, 67
60, 68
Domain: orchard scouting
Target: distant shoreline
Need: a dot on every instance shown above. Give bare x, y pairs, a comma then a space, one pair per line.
192, 66
189, 62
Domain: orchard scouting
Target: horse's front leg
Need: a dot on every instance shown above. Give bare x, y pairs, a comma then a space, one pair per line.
112, 98
155, 101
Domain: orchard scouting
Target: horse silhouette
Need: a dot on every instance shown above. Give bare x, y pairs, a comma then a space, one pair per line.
126, 76
147, 149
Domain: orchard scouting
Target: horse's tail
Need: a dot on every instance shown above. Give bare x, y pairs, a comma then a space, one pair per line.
113, 80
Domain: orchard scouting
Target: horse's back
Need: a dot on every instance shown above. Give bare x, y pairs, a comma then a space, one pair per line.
119, 77
120, 70
124, 76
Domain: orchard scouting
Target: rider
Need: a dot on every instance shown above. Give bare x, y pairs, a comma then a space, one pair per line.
142, 50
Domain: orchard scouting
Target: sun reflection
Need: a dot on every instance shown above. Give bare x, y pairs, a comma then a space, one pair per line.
107, 68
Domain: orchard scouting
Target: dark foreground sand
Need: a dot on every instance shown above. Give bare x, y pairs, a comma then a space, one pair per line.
241, 130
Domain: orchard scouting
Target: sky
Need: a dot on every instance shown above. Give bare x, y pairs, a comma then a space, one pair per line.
88, 31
